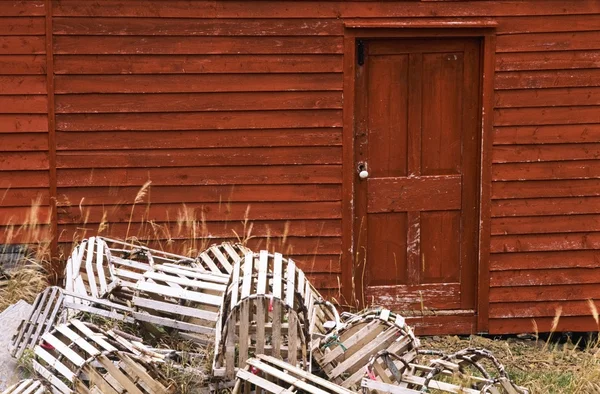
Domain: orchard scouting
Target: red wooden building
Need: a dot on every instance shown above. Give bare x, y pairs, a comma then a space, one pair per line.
476, 123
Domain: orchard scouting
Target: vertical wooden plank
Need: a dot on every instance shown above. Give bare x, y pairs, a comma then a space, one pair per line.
247, 279
244, 328
235, 281
89, 268
100, 267
230, 346
290, 281
292, 337
483, 276
261, 286
277, 275
277, 296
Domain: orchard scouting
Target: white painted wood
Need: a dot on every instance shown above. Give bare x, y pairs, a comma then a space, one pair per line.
100, 266
63, 349
290, 279
198, 284
222, 259
261, 287
247, 279
89, 269
76, 339
98, 338
174, 308
235, 280
277, 275
384, 388
54, 363
179, 293
56, 382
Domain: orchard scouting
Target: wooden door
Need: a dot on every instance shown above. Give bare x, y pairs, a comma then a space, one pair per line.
417, 135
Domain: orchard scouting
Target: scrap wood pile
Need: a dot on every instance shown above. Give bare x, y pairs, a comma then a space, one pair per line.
130, 319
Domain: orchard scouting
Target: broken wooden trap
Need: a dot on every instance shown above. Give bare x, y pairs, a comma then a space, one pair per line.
28, 386
264, 311
345, 352
266, 321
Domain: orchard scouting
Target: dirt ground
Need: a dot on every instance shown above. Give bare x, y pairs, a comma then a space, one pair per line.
543, 366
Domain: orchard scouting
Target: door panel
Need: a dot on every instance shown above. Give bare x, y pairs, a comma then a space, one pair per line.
417, 213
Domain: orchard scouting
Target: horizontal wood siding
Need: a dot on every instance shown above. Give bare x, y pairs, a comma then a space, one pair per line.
24, 180
237, 126
546, 172
233, 111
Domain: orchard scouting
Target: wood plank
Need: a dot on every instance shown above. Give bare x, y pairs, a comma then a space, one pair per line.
194, 139
406, 194
550, 188
23, 161
545, 42
114, 103
201, 27
544, 277
558, 60
20, 142
22, 179
546, 79
22, 45
23, 104
23, 123
197, 83
546, 206
314, 9
431, 297
545, 242
544, 260
546, 224
175, 45
561, 134
185, 194
540, 309
197, 64
23, 26
546, 152
21, 84
561, 97
23, 197
196, 157
581, 292
582, 169
311, 174
196, 120
22, 8
534, 24
544, 324
546, 115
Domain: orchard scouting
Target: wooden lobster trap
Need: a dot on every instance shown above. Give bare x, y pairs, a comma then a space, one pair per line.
472, 371
27, 386
54, 306
271, 375
264, 311
344, 353
120, 372
65, 349
220, 258
183, 298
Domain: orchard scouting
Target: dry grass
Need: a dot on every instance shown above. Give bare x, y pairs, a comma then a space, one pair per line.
544, 367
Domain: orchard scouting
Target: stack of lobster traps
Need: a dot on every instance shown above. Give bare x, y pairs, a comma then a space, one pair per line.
130, 319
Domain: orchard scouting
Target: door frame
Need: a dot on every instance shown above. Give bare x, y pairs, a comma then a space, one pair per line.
356, 29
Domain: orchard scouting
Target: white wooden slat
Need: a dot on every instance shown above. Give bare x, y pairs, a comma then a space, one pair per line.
263, 262
44, 318
277, 274
290, 277
55, 381
247, 279
235, 281
34, 386
89, 268
300, 282
63, 349
100, 267
174, 308
286, 377
193, 273
202, 298
98, 338
77, 340
208, 261
298, 371
222, 259
179, 325
233, 254
79, 259
381, 387
27, 326
54, 363
198, 284
384, 314
265, 384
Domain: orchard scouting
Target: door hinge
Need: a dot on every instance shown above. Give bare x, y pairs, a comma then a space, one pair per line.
360, 52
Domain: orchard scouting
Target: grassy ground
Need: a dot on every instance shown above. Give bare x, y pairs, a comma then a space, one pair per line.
542, 366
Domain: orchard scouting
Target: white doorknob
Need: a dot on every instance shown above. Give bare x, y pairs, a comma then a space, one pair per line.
363, 174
